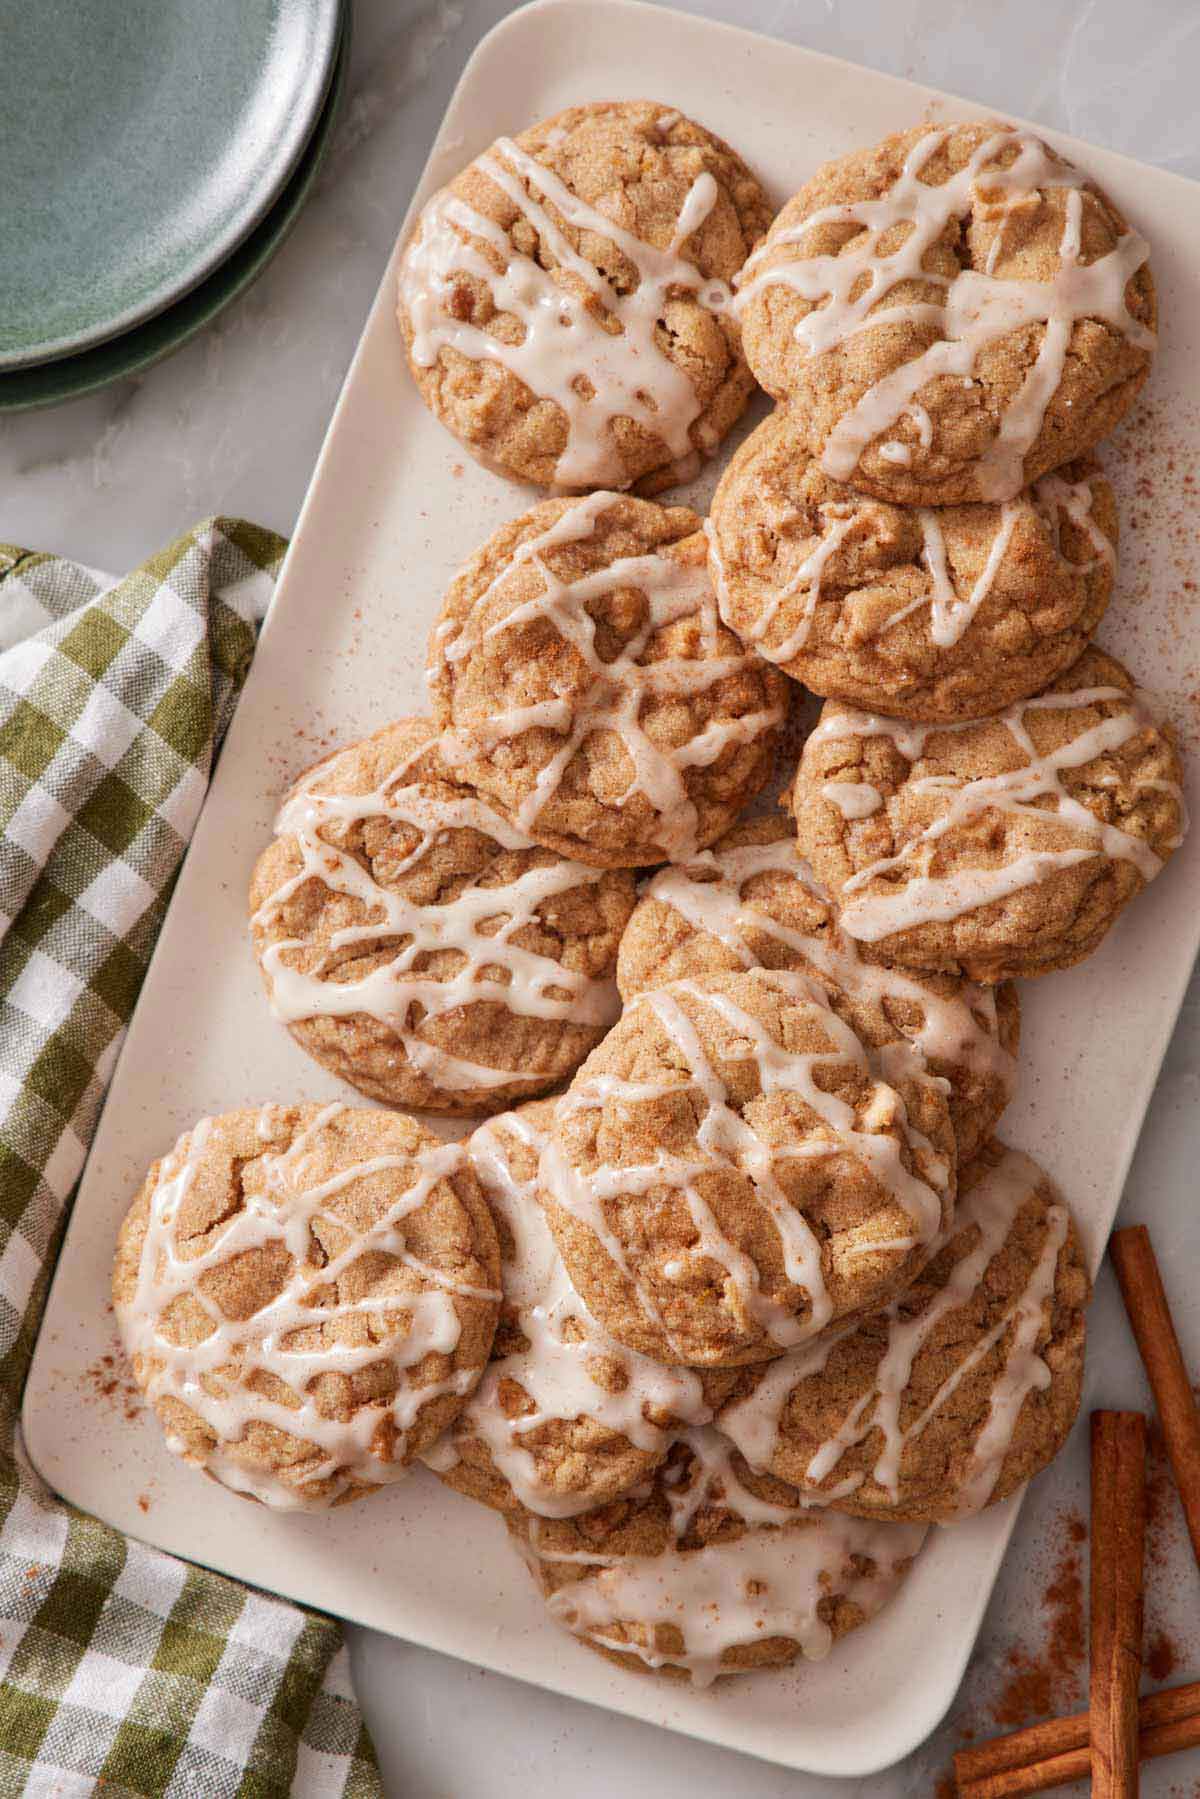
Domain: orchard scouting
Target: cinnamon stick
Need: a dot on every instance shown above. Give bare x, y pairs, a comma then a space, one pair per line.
1117, 1568
1154, 1330
1056, 1752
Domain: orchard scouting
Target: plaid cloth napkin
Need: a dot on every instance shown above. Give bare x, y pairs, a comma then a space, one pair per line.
121, 1669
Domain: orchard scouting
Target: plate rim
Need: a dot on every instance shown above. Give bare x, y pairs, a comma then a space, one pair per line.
938, 1701
299, 120
131, 354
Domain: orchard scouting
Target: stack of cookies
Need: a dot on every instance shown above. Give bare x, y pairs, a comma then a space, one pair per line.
950, 323
733, 1293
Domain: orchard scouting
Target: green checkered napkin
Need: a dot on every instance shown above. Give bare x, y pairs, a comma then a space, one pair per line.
121, 1670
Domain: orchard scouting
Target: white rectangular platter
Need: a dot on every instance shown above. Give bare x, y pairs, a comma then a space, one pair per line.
394, 507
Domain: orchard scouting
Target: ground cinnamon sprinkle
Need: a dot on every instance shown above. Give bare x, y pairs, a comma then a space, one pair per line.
1154, 466
1166, 1654
1047, 1683
108, 1377
1161, 1659
1052, 1681
1162, 1503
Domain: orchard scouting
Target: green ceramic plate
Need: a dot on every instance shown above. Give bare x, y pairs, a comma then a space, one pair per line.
142, 141
137, 349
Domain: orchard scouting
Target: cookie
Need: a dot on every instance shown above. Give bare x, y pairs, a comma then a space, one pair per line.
713, 1570
308, 1295
726, 1176
418, 945
918, 613
753, 902
592, 692
564, 302
961, 1390
1004, 847
950, 315
565, 1418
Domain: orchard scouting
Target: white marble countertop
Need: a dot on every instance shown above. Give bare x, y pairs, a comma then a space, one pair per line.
233, 424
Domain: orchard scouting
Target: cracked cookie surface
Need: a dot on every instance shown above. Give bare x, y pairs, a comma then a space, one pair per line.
581, 669
1004, 847
563, 301
713, 1570
950, 314
308, 1295
727, 1176
418, 945
920, 613
565, 1418
962, 1389
752, 901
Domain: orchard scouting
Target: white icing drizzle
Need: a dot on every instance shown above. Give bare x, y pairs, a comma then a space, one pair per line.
853, 799
710, 1478
928, 898
723, 1138
957, 1029
568, 352
849, 292
493, 967
767, 1582
212, 1377
949, 614
1054, 496
900, 453
924, 424
807, 575
565, 1344
990, 1208
620, 687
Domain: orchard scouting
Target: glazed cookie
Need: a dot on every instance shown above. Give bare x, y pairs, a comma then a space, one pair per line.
753, 902
564, 302
418, 945
964, 1387
307, 1295
565, 1418
1004, 847
726, 1175
581, 671
713, 1570
923, 614
950, 314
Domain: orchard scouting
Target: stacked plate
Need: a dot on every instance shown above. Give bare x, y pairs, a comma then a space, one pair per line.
156, 155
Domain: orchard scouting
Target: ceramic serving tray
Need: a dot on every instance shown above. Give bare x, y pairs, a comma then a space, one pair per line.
395, 505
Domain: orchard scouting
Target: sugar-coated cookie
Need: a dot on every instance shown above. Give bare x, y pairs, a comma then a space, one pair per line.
922, 613
1003, 847
419, 945
307, 1295
752, 901
580, 666
964, 1387
564, 302
950, 314
713, 1570
727, 1176
565, 1418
